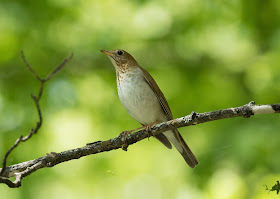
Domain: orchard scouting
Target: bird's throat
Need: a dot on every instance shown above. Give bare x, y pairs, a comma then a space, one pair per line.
124, 73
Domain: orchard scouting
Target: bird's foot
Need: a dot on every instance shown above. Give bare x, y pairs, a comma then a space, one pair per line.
124, 135
148, 128
51, 155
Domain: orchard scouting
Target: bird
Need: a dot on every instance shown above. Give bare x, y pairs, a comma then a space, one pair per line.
144, 101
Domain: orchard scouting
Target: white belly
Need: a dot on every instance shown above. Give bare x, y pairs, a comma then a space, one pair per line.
139, 99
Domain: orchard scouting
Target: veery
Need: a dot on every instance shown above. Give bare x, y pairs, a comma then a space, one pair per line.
144, 101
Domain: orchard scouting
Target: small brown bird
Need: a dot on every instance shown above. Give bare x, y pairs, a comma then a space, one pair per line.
144, 101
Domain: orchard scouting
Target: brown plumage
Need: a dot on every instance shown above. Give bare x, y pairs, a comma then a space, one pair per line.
144, 101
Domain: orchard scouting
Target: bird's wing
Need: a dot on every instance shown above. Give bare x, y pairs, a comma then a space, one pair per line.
163, 102
182, 147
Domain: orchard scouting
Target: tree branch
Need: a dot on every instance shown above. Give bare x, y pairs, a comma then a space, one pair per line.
24, 169
38, 124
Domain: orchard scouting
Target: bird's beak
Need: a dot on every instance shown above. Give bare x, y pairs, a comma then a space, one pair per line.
107, 53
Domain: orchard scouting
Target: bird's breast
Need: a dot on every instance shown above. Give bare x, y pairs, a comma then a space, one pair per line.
139, 99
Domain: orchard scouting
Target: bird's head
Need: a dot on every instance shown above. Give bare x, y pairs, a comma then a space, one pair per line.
121, 59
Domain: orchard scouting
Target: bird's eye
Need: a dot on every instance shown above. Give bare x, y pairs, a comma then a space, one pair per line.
120, 52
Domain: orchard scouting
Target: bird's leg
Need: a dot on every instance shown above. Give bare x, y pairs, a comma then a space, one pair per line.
148, 127
148, 130
126, 133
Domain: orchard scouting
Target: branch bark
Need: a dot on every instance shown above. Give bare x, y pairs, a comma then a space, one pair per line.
24, 169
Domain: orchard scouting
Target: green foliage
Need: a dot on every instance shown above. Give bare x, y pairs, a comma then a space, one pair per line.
205, 55
275, 187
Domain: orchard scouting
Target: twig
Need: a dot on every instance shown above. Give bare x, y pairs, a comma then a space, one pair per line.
36, 100
59, 67
28, 66
25, 168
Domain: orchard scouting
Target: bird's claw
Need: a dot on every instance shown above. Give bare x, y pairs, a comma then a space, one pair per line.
124, 135
51, 155
149, 130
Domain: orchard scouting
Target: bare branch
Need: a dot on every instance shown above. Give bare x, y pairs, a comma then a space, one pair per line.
39, 123
7, 154
28, 66
24, 169
59, 67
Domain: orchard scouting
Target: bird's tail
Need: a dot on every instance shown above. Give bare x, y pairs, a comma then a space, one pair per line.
177, 140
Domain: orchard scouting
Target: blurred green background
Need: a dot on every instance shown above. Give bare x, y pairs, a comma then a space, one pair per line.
205, 55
